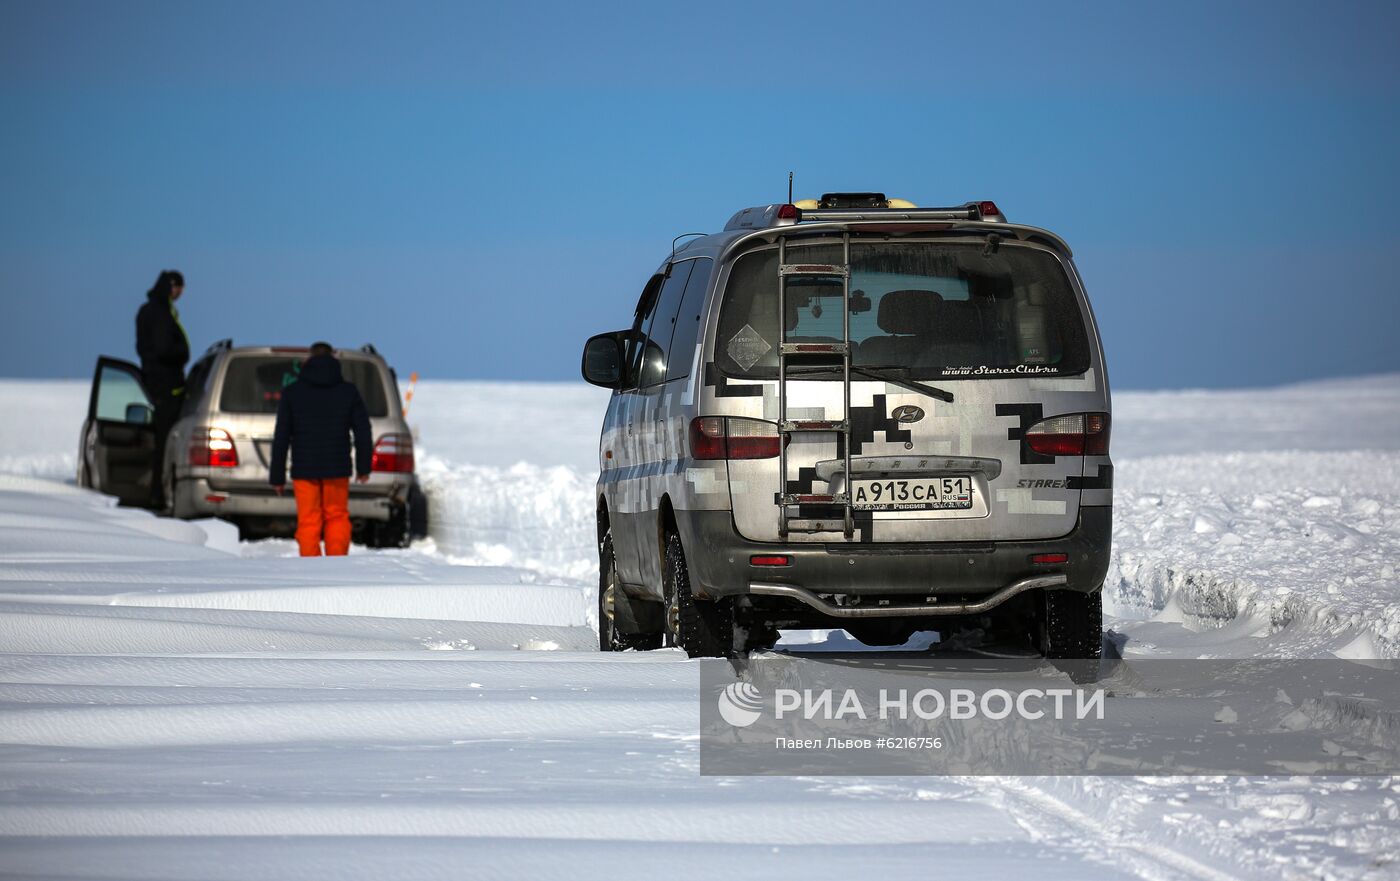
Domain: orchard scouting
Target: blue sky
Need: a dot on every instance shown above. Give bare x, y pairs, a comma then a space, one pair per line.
476, 189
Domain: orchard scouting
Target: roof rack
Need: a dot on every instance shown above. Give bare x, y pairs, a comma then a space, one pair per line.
220, 346
369, 349
852, 207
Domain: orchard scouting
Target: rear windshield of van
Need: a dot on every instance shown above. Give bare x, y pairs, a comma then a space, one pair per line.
944, 310
254, 383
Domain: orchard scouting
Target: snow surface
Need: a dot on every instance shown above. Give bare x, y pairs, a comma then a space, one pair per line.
174, 704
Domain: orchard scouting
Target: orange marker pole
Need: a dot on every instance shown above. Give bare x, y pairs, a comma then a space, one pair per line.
408, 395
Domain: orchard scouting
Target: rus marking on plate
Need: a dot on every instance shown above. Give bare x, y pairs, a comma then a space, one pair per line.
746, 347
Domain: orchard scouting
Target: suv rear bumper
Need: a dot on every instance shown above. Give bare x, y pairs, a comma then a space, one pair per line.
196, 494
718, 559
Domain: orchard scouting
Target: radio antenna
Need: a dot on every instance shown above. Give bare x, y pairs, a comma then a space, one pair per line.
789, 201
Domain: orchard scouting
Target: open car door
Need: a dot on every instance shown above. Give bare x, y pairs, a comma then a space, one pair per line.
119, 439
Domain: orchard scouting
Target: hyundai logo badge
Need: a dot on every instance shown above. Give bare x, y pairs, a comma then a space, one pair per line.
908, 413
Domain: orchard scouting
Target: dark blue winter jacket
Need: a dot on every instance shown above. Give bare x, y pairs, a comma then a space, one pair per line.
315, 418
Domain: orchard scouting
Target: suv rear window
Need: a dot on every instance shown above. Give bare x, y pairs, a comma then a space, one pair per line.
254, 383
941, 309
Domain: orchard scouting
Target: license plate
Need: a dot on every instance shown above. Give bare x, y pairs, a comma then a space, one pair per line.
912, 494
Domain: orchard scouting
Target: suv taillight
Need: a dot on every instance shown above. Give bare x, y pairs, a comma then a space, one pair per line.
732, 437
393, 452
1078, 434
213, 448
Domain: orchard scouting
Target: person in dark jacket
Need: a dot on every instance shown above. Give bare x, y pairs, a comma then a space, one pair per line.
316, 416
164, 350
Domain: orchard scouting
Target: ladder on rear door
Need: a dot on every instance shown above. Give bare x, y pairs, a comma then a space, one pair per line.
787, 522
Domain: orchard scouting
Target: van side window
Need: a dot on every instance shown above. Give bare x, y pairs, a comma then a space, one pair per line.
646, 306
663, 322
688, 318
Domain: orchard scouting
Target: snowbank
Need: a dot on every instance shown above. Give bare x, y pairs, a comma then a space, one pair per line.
532, 516
1261, 542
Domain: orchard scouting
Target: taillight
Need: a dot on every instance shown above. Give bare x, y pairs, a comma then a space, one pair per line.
1096, 434
393, 452
1077, 434
732, 437
212, 448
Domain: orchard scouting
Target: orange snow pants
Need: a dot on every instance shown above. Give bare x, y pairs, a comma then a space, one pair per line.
323, 505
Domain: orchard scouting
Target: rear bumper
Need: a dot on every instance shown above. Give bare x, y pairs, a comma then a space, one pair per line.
198, 495
961, 572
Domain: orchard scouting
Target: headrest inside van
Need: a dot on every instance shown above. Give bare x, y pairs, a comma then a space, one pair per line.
907, 311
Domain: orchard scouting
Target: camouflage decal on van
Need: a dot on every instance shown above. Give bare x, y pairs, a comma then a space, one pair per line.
805, 482
865, 421
1104, 480
715, 378
1027, 415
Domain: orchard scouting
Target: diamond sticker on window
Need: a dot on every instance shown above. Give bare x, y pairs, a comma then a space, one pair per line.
746, 347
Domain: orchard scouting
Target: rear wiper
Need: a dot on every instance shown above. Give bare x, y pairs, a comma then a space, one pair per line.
894, 375
900, 376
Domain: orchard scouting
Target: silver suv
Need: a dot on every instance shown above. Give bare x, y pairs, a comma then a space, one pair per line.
851, 412
216, 457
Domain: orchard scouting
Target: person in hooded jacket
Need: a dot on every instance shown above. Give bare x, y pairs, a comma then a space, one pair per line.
164, 350
316, 416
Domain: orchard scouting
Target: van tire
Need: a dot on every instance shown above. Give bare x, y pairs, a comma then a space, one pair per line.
702, 628
610, 639
1071, 624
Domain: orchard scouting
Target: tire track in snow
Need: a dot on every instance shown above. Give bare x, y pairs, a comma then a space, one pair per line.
1045, 817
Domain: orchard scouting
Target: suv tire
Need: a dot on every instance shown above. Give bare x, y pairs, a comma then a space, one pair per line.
1071, 624
170, 488
610, 639
417, 512
703, 629
391, 533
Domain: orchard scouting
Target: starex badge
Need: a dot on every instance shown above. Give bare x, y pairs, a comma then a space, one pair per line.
908, 413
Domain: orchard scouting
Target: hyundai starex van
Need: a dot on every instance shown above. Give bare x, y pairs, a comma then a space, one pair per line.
855, 413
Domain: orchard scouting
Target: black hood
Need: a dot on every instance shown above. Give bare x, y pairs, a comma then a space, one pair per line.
321, 370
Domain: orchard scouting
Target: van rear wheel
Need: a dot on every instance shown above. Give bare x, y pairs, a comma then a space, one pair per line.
703, 628
1070, 624
610, 639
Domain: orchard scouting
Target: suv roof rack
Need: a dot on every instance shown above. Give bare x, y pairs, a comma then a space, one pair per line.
369, 349
858, 206
220, 346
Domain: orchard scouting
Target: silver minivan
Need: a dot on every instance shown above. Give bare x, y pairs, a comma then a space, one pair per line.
852, 412
217, 453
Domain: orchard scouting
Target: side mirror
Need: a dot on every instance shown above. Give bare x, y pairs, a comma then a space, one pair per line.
138, 414
602, 359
